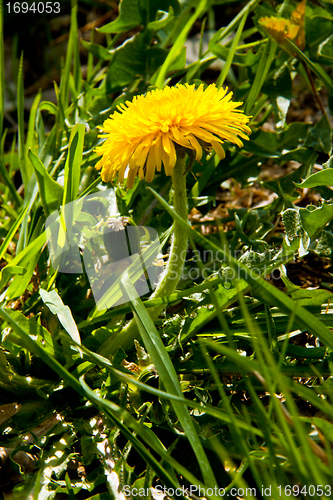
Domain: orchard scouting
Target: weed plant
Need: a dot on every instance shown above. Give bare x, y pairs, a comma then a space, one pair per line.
229, 391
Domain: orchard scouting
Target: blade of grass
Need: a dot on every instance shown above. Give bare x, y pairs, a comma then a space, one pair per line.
270, 375
11, 233
73, 164
204, 178
179, 42
48, 144
233, 48
25, 168
30, 142
9, 183
268, 52
51, 193
241, 439
225, 30
316, 68
64, 86
158, 353
76, 53
90, 62
27, 259
269, 370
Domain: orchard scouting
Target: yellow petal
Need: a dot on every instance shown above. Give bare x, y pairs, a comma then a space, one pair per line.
218, 149
132, 173
151, 164
121, 173
166, 143
158, 154
165, 159
196, 146
142, 158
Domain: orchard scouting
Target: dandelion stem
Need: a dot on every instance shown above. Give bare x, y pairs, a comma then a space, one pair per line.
176, 260
172, 273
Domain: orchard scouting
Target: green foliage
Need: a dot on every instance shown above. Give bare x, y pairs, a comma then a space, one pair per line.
232, 385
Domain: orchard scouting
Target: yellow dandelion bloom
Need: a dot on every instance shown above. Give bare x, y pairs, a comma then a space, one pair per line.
144, 133
279, 28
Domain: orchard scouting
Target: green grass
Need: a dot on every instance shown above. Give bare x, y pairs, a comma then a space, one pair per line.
231, 387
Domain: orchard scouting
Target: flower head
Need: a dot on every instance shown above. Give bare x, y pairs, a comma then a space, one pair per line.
280, 28
144, 133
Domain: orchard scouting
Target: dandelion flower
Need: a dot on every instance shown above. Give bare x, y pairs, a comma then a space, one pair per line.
280, 28
158, 128
146, 133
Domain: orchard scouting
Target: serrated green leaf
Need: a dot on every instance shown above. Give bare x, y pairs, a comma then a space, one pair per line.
325, 427
304, 352
320, 136
321, 178
325, 50
164, 19
8, 272
129, 17
318, 28
36, 331
287, 183
311, 297
133, 59
314, 219
224, 296
98, 51
324, 246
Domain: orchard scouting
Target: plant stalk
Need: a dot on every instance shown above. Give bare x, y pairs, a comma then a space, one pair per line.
314, 90
170, 278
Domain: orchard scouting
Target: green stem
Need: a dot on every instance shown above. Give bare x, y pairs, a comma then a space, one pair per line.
172, 273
